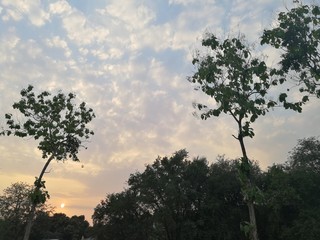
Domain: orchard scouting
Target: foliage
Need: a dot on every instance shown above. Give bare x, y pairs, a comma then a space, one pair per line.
175, 198
56, 122
119, 216
297, 35
39, 195
292, 196
15, 206
240, 83
15, 203
167, 191
225, 200
237, 81
59, 226
306, 155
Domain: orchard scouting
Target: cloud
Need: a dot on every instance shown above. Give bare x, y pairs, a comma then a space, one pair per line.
9, 42
60, 7
189, 2
79, 28
128, 60
32, 10
57, 42
132, 15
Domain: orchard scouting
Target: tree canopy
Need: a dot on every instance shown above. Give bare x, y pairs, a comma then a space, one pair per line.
56, 122
177, 198
297, 37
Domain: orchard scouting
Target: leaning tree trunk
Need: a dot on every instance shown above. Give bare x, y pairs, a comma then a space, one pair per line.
248, 185
34, 204
253, 223
29, 222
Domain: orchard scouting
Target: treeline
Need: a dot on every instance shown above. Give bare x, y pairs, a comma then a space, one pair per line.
176, 198
59, 226
179, 199
15, 207
47, 226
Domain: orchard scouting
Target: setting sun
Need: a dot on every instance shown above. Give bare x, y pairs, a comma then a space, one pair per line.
62, 205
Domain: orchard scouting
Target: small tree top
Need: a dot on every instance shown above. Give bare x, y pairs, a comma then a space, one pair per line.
58, 124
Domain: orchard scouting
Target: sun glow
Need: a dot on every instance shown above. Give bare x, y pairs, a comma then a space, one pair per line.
62, 205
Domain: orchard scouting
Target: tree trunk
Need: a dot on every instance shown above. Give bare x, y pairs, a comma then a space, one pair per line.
252, 216
29, 222
250, 204
34, 205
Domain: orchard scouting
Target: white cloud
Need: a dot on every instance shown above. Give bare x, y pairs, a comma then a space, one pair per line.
8, 43
79, 28
11, 14
32, 10
103, 54
57, 42
60, 7
133, 16
81, 32
187, 2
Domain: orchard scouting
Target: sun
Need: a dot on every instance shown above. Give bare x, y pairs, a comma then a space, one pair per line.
62, 205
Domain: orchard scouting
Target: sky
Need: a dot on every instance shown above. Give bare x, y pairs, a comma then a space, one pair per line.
129, 60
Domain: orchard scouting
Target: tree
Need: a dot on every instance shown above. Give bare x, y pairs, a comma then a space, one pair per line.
15, 202
120, 216
297, 35
304, 168
306, 155
282, 203
229, 208
173, 190
59, 226
15, 206
239, 84
59, 126
292, 195
168, 201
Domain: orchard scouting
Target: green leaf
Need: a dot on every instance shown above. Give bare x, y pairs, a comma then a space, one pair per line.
305, 99
253, 118
282, 97
8, 116
271, 104
216, 112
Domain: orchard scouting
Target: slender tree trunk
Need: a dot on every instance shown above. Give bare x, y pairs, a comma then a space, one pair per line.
34, 205
248, 185
29, 222
252, 216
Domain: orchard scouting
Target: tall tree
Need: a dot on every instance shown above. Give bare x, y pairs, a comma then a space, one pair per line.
58, 124
239, 84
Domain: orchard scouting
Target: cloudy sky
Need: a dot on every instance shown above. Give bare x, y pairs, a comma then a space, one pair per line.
129, 60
